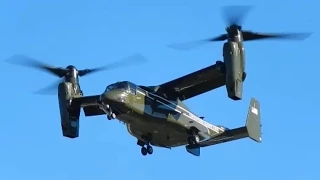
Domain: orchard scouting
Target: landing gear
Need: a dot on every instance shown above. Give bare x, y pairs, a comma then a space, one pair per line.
146, 148
193, 138
111, 116
149, 149
144, 151
108, 110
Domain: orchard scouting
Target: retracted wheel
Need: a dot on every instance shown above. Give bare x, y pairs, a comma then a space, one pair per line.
149, 149
190, 140
108, 117
144, 151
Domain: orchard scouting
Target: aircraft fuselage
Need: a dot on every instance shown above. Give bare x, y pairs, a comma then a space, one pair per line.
167, 121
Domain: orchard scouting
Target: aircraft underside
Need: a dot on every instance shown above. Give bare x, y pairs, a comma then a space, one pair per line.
164, 133
155, 132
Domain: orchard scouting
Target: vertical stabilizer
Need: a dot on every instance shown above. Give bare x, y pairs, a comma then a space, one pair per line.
253, 123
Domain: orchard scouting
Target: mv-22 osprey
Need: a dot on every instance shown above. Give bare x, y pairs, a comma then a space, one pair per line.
155, 115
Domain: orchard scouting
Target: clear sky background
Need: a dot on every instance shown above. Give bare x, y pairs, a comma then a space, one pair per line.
283, 75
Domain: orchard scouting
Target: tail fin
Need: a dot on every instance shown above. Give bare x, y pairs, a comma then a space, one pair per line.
253, 124
252, 129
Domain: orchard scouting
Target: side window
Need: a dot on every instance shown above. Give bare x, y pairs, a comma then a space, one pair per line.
110, 87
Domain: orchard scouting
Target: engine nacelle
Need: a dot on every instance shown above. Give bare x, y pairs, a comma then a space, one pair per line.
69, 114
235, 75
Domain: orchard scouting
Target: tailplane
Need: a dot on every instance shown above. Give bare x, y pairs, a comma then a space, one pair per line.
252, 129
253, 123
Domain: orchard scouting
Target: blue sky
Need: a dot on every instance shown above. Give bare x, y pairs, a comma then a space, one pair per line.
281, 74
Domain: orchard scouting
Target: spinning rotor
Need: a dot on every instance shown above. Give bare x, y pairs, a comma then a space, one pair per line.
234, 16
71, 73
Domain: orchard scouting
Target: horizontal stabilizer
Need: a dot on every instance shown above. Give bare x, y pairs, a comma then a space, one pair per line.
252, 128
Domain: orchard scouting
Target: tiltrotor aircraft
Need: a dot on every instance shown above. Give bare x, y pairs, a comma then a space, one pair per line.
155, 115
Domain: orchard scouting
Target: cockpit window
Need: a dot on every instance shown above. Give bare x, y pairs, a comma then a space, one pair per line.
122, 85
110, 87
119, 85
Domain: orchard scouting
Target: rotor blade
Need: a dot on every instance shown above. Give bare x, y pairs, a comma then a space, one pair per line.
52, 89
249, 36
194, 44
30, 62
128, 61
189, 45
234, 15
222, 37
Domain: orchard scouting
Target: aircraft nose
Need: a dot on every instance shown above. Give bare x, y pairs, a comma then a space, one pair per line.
114, 96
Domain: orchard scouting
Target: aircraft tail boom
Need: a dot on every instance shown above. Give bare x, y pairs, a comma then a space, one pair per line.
252, 130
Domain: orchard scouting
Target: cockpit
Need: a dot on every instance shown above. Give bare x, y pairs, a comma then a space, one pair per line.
123, 85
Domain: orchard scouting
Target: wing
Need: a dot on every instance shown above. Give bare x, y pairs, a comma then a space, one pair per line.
196, 83
90, 105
